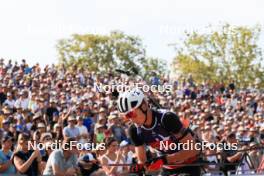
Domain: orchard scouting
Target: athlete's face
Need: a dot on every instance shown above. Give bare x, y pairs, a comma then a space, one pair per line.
137, 116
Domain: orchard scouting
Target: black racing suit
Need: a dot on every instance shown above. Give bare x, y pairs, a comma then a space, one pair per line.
162, 131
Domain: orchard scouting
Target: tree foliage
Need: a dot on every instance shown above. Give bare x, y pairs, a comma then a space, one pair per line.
154, 66
228, 54
105, 52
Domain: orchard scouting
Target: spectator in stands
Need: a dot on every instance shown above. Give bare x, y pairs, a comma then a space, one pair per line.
89, 165
27, 161
128, 152
6, 165
31, 95
71, 131
84, 135
116, 128
231, 156
23, 100
113, 155
10, 101
57, 132
3, 92
99, 133
255, 155
63, 161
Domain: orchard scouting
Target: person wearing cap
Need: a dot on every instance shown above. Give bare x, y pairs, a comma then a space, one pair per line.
41, 128
6, 127
6, 110
102, 120
89, 164
242, 135
36, 120
128, 154
116, 128
84, 135
23, 100
71, 131
20, 124
6, 165
10, 101
102, 112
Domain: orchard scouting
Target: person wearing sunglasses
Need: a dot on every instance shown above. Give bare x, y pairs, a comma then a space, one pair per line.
153, 128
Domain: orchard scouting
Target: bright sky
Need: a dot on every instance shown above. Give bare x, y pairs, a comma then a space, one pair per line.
30, 29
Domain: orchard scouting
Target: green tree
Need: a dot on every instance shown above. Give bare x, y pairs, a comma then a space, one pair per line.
227, 54
154, 66
101, 52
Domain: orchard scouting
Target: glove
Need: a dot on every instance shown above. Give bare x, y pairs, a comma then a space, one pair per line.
156, 163
136, 168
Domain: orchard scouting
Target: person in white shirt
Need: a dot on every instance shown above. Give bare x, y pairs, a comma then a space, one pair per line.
114, 154
23, 100
81, 78
128, 154
10, 101
71, 130
84, 135
32, 105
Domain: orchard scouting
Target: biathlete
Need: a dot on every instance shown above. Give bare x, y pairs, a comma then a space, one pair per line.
155, 128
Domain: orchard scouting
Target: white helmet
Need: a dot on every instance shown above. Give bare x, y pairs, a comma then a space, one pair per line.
129, 100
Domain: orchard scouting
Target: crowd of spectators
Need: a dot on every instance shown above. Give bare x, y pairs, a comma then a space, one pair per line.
53, 103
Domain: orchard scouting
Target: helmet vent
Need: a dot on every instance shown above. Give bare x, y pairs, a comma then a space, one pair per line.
126, 104
134, 103
121, 105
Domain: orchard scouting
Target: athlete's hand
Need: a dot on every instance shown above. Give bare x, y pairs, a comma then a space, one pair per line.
156, 163
136, 168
